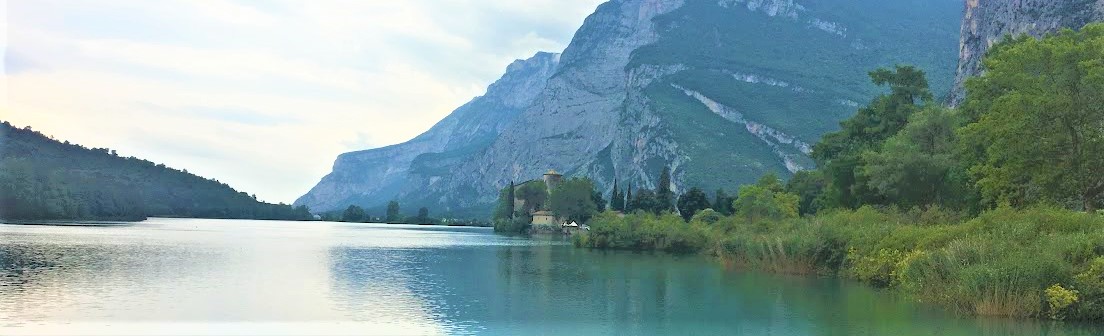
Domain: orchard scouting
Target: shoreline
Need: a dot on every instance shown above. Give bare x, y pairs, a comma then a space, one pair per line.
102, 223
1003, 263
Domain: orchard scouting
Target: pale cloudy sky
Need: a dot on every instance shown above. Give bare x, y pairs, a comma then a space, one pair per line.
262, 95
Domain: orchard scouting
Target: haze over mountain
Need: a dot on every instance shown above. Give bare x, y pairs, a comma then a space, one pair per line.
720, 91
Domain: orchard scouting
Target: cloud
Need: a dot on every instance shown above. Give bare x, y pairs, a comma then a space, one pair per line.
261, 95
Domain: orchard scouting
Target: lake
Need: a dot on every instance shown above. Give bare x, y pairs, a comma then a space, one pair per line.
199, 276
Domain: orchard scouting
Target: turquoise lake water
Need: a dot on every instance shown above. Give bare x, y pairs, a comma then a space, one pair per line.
197, 276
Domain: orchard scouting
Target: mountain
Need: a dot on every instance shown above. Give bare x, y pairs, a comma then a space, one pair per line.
43, 179
988, 21
375, 176
719, 91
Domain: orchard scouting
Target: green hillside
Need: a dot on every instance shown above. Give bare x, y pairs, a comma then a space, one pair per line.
43, 179
798, 73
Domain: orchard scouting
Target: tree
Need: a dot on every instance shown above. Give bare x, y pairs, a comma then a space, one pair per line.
510, 201
393, 212
765, 200
629, 207
663, 192
423, 216
617, 200
599, 201
533, 195
808, 185
303, 212
573, 200
504, 208
916, 167
353, 214
771, 182
691, 202
839, 153
1037, 128
722, 203
645, 200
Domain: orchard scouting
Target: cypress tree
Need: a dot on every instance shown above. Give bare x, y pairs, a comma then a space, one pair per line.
722, 203
510, 200
617, 203
664, 196
627, 205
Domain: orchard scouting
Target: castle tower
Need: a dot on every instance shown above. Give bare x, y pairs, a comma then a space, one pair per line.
552, 179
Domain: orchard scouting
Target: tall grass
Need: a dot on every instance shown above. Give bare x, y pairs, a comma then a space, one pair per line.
1000, 263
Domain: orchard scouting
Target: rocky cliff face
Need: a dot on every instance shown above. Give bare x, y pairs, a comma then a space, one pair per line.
575, 117
376, 175
986, 22
720, 91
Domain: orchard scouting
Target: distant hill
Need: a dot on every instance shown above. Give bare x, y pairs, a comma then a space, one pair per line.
43, 179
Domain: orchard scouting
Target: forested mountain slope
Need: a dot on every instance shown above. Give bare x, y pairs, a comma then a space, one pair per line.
41, 178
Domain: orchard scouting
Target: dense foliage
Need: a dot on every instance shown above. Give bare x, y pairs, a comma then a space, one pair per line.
43, 179
691, 202
353, 214
1038, 120
765, 200
617, 199
533, 194
574, 200
393, 215
722, 203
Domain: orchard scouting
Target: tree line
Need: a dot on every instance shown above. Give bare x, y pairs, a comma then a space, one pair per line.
393, 215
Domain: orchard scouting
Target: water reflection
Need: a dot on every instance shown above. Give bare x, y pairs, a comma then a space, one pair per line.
220, 277
548, 288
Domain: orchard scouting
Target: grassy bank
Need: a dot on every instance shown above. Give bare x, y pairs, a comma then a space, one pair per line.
1040, 262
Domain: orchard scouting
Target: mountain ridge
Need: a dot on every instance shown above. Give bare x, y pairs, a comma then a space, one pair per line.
719, 91
385, 172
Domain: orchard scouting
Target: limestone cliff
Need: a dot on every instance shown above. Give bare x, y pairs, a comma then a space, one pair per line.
720, 91
578, 113
373, 176
986, 22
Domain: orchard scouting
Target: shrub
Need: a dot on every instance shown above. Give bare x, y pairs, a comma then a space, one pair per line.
1058, 299
878, 268
517, 225
707, 217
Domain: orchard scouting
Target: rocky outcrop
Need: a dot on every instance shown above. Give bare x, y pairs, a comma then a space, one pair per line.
374, 176
786, 8
986, 22
788, 149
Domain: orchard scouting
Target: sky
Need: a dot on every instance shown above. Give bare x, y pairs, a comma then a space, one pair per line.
261, 95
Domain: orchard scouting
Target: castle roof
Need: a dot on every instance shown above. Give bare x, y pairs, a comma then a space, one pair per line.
552, 172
